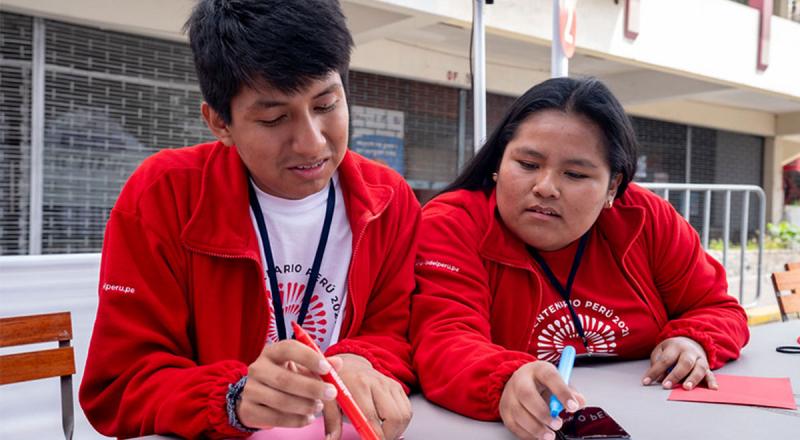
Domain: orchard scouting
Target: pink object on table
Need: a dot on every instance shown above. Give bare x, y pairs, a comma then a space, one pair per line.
343, 397
742, 390
314, 431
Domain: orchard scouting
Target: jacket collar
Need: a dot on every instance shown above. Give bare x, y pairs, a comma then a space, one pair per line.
221, 223
364, 196
621, 225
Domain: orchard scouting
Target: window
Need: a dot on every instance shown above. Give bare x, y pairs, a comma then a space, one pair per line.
110, 100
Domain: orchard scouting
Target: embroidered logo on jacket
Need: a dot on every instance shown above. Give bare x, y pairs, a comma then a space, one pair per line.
107, 287
437, 265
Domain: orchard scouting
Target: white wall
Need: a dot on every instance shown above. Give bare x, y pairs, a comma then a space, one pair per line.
705, 39
155, 18
707, 115
43, 284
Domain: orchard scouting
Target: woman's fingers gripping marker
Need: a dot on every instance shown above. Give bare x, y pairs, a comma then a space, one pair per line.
565, 365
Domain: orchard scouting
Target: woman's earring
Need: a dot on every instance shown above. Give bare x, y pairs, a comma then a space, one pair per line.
610, 203
494, 177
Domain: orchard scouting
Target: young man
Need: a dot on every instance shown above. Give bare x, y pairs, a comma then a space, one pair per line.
212, 250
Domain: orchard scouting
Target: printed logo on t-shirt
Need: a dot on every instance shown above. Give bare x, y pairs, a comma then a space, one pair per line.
323, 309
554, 329
294, 228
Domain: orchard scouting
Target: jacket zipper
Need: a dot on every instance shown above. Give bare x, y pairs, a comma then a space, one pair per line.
349, 304
264, 323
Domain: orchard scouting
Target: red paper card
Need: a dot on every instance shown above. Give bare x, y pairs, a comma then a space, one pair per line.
743, 390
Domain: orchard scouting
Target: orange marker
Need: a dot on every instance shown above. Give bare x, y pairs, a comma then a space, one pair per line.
343, 396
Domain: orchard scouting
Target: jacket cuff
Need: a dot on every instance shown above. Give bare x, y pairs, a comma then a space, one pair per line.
216, 406
698, 336
497, 383
350, 346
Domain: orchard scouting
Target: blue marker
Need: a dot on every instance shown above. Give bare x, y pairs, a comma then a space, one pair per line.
565, 371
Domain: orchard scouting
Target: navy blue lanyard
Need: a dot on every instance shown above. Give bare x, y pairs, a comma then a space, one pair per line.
273, 277
565, 292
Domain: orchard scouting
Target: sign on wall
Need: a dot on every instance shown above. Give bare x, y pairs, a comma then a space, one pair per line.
378, 135
765, 18
632, 13
568, 26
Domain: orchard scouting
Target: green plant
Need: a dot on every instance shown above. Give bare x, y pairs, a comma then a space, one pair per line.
779, 236
785, 234
752, 245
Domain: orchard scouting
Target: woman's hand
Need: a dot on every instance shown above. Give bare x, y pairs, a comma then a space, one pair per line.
677, 360
283, 387
524, 404
380, 398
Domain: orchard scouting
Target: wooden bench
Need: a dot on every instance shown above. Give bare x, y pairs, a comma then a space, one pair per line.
32, 365
787, 290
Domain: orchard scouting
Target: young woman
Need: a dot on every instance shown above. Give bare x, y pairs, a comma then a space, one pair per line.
544, 242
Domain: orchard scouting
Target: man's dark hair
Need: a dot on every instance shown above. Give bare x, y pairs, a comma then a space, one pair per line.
584, 96
283, 44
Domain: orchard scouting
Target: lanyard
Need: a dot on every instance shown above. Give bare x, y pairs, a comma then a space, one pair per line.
565, 292
273, 277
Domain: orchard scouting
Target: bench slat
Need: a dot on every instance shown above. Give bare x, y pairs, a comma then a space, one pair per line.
20, 367
36, 328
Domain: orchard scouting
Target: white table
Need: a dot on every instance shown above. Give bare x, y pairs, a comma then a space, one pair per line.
645, 412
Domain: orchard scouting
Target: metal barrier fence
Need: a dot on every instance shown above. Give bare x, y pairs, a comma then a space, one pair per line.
664, 189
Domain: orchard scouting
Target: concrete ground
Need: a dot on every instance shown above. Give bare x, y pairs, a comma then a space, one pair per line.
761, 308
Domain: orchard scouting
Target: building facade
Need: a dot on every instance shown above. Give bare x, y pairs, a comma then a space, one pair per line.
90, 88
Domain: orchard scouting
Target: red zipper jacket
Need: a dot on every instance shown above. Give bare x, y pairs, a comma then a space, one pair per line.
479, 292
183, 304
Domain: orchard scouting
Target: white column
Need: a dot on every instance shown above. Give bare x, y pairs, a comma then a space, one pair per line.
559, 63
37, 139
478, 76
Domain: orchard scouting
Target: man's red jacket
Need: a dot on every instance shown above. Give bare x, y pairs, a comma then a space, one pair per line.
183, 303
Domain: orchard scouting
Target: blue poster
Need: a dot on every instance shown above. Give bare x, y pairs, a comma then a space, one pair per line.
387, 150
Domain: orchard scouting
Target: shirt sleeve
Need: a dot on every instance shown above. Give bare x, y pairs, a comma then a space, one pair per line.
694, 289
459, 366
140, 377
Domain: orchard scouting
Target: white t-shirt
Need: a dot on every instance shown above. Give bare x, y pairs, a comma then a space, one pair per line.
294, 228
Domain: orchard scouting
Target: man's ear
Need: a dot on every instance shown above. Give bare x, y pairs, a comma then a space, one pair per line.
219, 128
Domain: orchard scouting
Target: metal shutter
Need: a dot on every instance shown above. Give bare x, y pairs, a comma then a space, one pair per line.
15, 136
111, 100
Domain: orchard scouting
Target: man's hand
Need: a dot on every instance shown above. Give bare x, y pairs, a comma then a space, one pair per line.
283, 387
680, 359
381, 399
524, 404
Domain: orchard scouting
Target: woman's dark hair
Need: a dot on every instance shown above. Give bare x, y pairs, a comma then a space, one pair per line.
285, 44
583, 96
